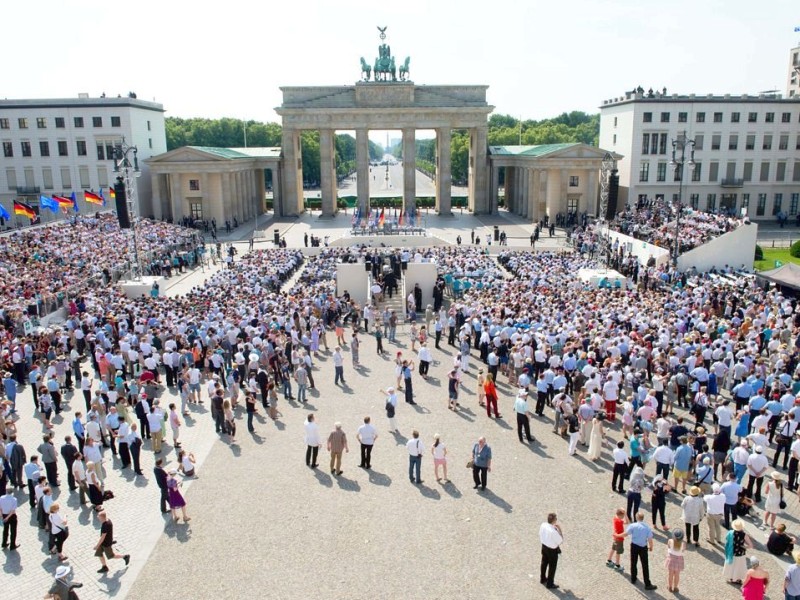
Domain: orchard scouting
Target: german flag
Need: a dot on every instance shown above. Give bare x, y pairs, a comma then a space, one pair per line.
20, 208
63, 201
93, 198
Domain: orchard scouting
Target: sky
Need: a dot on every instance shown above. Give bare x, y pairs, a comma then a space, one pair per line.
229, 59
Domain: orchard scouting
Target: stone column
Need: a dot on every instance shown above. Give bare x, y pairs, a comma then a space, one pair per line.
443, 174
227, 214
409, 170
526, 186
176, 198
494, 183
362, 171
158, 195
509, 188
479, 165
590, 206
519, 190
205, 196
291, 200
251, 193
326, 170
535, 194
553, 192
261, 191
277, 189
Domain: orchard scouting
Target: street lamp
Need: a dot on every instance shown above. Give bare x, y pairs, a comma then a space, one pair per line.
680, 145
126, 181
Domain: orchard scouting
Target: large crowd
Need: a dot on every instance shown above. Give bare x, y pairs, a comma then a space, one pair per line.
685, 367
655, 223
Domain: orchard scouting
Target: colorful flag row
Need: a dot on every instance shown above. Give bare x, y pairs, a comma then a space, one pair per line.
55, 203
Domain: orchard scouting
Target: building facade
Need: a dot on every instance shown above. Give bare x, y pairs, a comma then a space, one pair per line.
747, 150
62, 146
793, 77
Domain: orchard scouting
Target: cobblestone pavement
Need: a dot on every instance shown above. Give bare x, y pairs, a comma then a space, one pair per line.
266, 526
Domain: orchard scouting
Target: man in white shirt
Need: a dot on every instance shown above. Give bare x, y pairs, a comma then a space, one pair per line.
724, 416
794, 461
757, 466
715, 503
663, 456
93, 454
415, 450
8, 512
155, 420
551, 536
312, 441
366, 437
620, 467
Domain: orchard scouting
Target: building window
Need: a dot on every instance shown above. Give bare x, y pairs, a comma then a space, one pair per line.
735, 117
698, 142
47, 178
83, 175
717, 117
62, 148
665, 117
762, 205
750, 142
97, 121
697, 172
748, 171
746, 203
783, 142
102, 176
764, 171
797, 143
615, 140
796, 172
645, 143
662, 145
11, 178
711, 203
78, 121
615, 121
44, 148
646, 118
733, 142
644, 172
767, 142
716, 141
23, 123
109, 151
793, 201
197, 210
194, 184
776, 204
786, 117
677, 172
770, 118
8, 149
59, 122
694, 201
81, 146
26, 148
701, 117
574, 181
66, 178
661, 173
101, 152
780, 172
713, 172
4, 124
683, 117
654, 144
116, 122
148, 126
41, 123
752, 117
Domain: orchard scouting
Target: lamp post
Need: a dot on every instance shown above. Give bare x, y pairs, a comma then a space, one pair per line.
679, 145
128, 172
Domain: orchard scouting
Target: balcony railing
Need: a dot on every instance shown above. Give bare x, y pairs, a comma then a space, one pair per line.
732, 183
26, 191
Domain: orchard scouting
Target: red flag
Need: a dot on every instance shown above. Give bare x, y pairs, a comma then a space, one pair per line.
382, 219
400, 218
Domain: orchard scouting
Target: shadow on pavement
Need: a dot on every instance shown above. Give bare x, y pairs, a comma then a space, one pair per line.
378, 478
496, 500
323, 478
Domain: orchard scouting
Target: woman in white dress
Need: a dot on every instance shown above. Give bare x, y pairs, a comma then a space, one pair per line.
596, 439
774, 495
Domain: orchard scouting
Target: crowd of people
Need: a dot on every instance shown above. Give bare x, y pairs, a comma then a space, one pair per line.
672, 373
655, 224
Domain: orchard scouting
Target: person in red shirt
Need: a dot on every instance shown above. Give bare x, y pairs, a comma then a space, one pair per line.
617, 540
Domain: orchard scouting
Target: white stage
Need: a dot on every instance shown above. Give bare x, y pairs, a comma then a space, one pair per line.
608, 277
137, 289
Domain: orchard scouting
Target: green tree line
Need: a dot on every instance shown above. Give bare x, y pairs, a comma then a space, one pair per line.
230, 133
504, 130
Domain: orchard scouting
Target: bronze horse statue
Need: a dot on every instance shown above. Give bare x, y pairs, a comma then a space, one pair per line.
404, 69
366, 70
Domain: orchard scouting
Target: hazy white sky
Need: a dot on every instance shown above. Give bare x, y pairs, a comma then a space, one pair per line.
215, 59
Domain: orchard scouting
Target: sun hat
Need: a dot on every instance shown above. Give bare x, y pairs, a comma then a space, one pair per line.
63, 571
694, 490
677, 534
738, 525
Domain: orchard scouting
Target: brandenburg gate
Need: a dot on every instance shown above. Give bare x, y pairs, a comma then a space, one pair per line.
382, 100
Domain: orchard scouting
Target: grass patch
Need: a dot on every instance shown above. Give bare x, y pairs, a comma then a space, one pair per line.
773, 254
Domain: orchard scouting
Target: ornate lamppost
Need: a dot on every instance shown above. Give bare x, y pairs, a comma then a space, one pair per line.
680, 145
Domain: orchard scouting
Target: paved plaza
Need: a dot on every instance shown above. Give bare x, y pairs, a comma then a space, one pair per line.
266, 526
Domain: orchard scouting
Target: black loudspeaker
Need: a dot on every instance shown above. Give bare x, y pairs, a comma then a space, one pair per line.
122, 205
276, 237
613, 195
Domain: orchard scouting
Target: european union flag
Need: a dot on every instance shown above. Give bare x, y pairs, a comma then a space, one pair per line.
4, 213
46, 202
796, 29
74, 199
